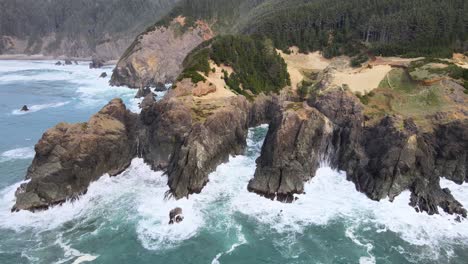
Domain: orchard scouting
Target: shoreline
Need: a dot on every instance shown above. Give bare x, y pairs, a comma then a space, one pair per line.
40, 57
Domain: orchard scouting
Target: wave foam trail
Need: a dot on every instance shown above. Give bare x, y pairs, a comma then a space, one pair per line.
104, 194
329, 196
35, 108
18, 153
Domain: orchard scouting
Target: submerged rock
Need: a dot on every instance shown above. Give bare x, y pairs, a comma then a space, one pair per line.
68, 62
175, 216
58, 63
24, 108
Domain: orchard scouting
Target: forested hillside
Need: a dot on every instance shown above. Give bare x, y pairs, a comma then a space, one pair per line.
86, 22
257, 66
388, 27
224, 14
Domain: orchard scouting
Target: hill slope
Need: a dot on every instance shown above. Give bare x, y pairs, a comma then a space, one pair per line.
76, 28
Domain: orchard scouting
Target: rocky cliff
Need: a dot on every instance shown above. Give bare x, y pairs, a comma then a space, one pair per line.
70, 156
188, 136
383, 158
156, 55
185, 135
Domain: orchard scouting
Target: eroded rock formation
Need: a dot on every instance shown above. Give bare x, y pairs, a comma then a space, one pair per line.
70, 156
383, 159
188, 137
156, 55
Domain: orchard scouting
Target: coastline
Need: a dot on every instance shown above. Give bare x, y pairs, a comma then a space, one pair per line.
41, 57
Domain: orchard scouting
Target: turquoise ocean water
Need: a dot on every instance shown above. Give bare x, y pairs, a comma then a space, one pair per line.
123, 219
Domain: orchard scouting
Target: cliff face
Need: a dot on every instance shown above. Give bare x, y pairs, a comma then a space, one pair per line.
80, 28
189, 136
184, 135
383, 159
156, 56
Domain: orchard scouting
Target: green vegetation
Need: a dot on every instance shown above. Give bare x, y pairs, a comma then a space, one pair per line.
386, 27
224, 14
399, 94
257, 66
359, 60
197, 61
365, 98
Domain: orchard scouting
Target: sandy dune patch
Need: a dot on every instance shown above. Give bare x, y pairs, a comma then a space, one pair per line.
298, 62
216, 79
362, 80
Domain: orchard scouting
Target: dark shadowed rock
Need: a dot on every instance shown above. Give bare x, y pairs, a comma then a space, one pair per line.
96, 63
143, 92
175, 216
160, 87
295, 144
70, 156
382, 158
103, 75
58, 63
148, 101
24, 108
68, 62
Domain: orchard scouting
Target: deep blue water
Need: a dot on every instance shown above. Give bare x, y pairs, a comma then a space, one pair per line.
123, 219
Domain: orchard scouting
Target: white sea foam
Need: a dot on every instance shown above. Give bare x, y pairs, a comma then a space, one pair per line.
72, 253
39, 107
18, 153
241, 241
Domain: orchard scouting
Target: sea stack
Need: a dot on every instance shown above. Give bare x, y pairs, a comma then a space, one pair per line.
24, 108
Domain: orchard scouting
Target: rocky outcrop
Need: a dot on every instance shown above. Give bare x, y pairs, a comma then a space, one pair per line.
298, 140
103, 75
156, 55
382, 158
96, 63
188, 137
143, 92
189, 141
70, 156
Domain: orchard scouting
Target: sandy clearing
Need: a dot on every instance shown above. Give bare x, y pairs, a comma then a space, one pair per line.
216, 78
436, 65
298, 62
393, 61
362, 80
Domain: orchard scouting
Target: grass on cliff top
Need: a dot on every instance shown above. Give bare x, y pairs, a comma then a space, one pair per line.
430, 68
258, 68
399, 94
